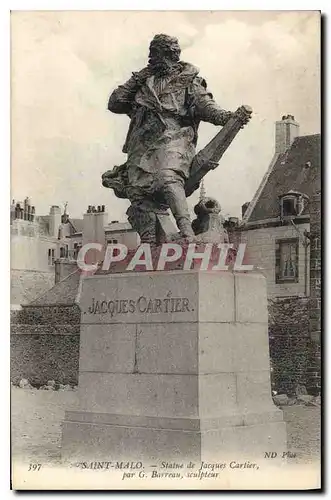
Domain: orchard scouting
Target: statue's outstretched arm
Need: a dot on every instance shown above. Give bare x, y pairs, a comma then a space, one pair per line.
205, 108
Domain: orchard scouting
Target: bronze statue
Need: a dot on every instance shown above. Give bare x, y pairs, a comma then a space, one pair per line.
165, 102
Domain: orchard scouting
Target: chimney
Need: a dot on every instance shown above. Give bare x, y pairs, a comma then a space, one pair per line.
54, 221
94, 231
12, 211
26, 208
287, 129
244, 208
18, 210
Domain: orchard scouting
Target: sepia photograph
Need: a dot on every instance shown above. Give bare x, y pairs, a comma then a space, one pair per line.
165, 250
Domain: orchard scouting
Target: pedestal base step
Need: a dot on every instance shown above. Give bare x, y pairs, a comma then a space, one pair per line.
102, 436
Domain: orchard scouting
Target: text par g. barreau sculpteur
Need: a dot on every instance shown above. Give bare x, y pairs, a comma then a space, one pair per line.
165, 102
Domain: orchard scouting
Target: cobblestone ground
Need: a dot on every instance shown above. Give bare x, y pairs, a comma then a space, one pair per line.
36, 417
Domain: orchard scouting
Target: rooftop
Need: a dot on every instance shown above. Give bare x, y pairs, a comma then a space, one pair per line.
77, 225
298, 169
64, 292
118, 226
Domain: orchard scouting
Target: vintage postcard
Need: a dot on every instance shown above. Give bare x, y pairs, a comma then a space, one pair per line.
165, 250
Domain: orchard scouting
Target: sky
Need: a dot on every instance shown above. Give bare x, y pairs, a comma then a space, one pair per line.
65, 64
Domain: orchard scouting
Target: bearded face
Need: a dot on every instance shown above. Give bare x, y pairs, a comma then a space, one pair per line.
163, 54
160, 62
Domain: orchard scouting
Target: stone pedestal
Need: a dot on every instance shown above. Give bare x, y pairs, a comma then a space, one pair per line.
174, 365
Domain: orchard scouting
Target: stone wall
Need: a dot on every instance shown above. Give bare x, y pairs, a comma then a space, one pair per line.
28, 285
315, 268
289, 343
314, 368
45, 344
44, 357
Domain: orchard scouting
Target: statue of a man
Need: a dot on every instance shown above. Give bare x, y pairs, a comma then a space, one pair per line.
166, 102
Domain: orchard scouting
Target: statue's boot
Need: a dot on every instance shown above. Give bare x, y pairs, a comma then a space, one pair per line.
144, 222
175, 197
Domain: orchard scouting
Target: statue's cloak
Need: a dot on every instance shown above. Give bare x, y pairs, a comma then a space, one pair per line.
165, 113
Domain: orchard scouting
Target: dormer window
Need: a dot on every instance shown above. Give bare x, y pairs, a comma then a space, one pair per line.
292, 204
289, 206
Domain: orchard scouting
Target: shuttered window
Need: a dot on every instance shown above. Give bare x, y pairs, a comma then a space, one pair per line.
287, 260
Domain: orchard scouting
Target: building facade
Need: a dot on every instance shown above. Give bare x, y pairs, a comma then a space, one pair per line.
276, 223
39, 243
281, 227
34, 248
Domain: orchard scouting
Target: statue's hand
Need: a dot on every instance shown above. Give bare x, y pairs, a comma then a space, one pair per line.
116, 179
227, 115
142, 75
244, 113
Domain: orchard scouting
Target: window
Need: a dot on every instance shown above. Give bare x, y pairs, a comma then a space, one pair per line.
289, 206
64, 252
51, 256
287, 259
113, 242
77, 247
292, 204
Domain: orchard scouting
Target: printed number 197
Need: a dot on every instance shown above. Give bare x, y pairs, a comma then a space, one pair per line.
34, 467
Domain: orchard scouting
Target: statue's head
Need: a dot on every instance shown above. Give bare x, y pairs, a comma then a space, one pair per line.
164, 52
